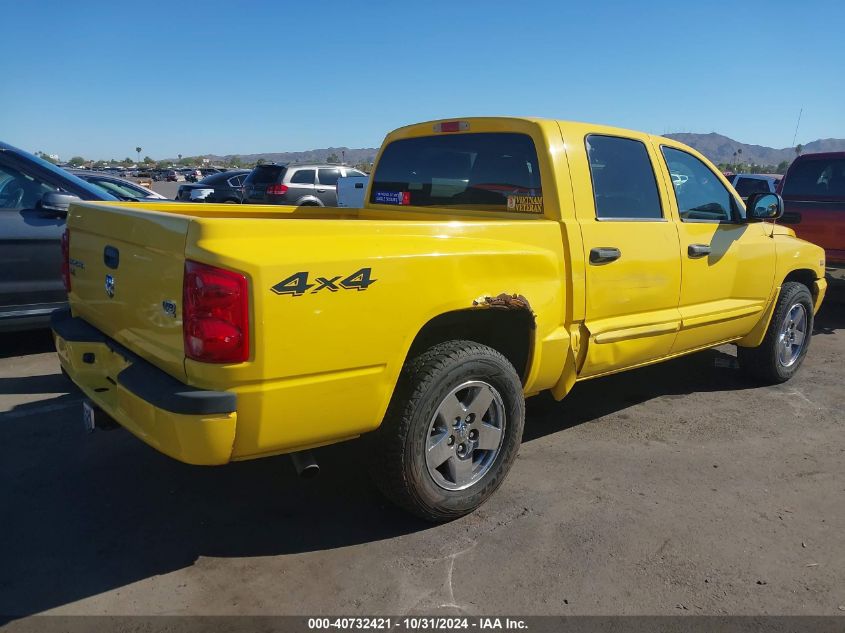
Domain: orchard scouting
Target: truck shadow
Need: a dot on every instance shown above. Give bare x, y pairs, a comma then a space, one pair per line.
85, 514
22, 343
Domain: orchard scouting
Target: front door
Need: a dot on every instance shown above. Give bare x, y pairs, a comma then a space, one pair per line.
633, 271
327, 185
727, 266
30, 251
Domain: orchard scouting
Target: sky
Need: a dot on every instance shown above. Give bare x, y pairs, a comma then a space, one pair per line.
97, 79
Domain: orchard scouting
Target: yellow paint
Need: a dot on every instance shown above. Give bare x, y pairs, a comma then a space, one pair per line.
323, 366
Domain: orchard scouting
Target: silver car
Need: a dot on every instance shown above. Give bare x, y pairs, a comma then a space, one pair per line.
299, 185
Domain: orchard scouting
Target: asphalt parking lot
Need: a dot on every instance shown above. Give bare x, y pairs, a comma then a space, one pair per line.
673, 489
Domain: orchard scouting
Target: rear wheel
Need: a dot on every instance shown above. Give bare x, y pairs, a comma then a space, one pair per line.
451, 432
787, 339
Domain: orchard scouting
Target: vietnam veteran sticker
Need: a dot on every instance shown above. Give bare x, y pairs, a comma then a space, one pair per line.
525, 204
393, 197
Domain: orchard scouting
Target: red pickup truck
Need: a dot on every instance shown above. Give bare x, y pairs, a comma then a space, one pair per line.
813, 192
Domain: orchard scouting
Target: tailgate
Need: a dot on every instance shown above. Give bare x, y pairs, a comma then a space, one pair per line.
127, 265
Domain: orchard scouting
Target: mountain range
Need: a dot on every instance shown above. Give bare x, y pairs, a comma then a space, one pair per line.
718, 148
352, 156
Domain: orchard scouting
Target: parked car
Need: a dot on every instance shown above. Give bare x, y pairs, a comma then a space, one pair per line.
746, 184
193, 175
226, 187
34, 197
174, 176
299, 185
813, 191
118, 187
477, 273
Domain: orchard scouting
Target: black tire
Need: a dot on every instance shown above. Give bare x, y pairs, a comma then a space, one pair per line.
763, 363
398, 446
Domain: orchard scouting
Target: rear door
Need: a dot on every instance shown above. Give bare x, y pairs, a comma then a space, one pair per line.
30, 253
633, 272
327, 185
727, 265
301, 185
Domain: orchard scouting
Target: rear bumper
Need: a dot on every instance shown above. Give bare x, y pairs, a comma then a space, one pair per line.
191, 425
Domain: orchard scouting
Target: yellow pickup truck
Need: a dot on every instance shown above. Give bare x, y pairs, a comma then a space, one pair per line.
495, 258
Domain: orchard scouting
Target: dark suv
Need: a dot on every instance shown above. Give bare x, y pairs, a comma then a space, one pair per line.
298, 185
34, 198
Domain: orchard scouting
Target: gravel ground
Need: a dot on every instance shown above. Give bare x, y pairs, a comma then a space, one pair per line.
678, 488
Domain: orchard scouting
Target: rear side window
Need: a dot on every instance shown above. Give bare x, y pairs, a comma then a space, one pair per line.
265, 174
623, 179
746, 186
498, 171
303, 177
351, 173
328, 176
816, 177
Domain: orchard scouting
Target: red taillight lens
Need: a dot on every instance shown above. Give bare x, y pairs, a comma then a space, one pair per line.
277, 190
66, 259
215, 314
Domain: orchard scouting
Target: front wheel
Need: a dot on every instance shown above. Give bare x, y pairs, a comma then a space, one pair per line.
451, 432
787, 339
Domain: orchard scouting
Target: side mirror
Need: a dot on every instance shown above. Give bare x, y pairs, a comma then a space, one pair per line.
763, 206
57, 202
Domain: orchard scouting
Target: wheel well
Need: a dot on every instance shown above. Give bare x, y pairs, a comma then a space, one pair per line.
803, 276
508, 331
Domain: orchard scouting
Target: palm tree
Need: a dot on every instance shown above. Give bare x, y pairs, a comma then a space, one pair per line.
798, 149
139, 150
734, 160
739, 152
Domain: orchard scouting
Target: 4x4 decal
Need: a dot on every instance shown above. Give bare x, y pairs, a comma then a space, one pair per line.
297, 284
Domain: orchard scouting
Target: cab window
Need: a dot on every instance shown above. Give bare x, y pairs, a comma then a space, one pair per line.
495, 171
624, 186
700, 194
328, 176
303, 177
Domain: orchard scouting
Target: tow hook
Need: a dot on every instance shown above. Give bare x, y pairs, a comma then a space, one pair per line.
305, 464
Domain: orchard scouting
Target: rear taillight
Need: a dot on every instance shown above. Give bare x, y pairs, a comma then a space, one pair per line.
277, 190
66, 259
215, 314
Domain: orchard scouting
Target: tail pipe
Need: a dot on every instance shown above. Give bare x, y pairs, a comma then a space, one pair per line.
305, 464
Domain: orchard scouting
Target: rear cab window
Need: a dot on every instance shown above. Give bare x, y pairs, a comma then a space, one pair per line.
746, 186
815, 178
496, 171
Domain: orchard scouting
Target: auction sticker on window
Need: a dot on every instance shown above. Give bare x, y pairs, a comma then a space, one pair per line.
525, 204
392, 197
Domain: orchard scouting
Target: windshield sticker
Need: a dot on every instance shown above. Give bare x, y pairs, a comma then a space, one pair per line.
393, 197
525, 204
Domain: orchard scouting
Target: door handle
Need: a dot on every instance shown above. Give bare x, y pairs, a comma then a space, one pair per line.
698, 250
604, 254
321, 191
